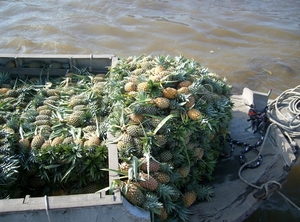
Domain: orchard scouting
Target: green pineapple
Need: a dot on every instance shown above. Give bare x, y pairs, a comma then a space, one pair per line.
166, 156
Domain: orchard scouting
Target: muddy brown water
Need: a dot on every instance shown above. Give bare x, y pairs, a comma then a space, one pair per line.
253, 43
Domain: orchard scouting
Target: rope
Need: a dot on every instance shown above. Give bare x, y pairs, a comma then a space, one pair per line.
293, 98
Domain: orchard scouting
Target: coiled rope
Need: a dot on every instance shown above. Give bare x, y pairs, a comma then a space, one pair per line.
289, 125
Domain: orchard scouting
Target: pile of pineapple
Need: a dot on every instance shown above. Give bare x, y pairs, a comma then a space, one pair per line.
52, 135
169, 117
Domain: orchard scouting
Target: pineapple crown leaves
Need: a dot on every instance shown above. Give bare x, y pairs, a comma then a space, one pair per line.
165, 191
4, 77
182, 212
152, 203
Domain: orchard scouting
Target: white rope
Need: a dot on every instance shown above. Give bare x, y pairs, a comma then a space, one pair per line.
293, 98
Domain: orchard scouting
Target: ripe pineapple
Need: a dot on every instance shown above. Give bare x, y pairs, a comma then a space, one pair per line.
189, 198
93, 141
134, 195
185, 83
137, 118
162, 177
183, 90
170, 93
57, 141
163, 215
24, 143
76, 119
153, 166
194, 114
191, 102
162, 102
45, 112
37, 141
148, 182
143, 86
130, 87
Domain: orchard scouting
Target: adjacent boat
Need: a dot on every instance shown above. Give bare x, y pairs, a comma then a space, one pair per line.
254, 166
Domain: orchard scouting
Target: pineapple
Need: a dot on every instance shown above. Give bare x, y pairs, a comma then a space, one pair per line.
57, 141
154, 166
37, 141
183, 90
185, 83
166, 156
162, 177
163, 215
148, 182
194, 114
24, 143
42, 117
134, 195
68, 140
46, 144
130, 87
184, 171
162, 102
189, 198
93, 141
12, 93
198, 152
143, 86
137, 118
133, 130
170, 93
160, 140
124, 167
76, 119
10, 64
46, 112
191, 102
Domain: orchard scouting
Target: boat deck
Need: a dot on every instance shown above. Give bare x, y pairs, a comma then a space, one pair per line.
234, 198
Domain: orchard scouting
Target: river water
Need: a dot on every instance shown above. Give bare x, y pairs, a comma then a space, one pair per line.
253, 43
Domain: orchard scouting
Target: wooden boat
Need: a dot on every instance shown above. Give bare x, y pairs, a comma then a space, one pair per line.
238, 189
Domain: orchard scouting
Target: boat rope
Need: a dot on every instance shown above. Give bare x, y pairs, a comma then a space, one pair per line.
289, 123
291, 99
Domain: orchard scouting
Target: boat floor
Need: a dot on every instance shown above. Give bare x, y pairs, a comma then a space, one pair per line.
234, 199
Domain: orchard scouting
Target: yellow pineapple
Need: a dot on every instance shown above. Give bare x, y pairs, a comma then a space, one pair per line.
183, 90
194, 114
185, 83
143, 86
37, 141
162, 102
189, 198
130, 87
137, 118
170, 93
